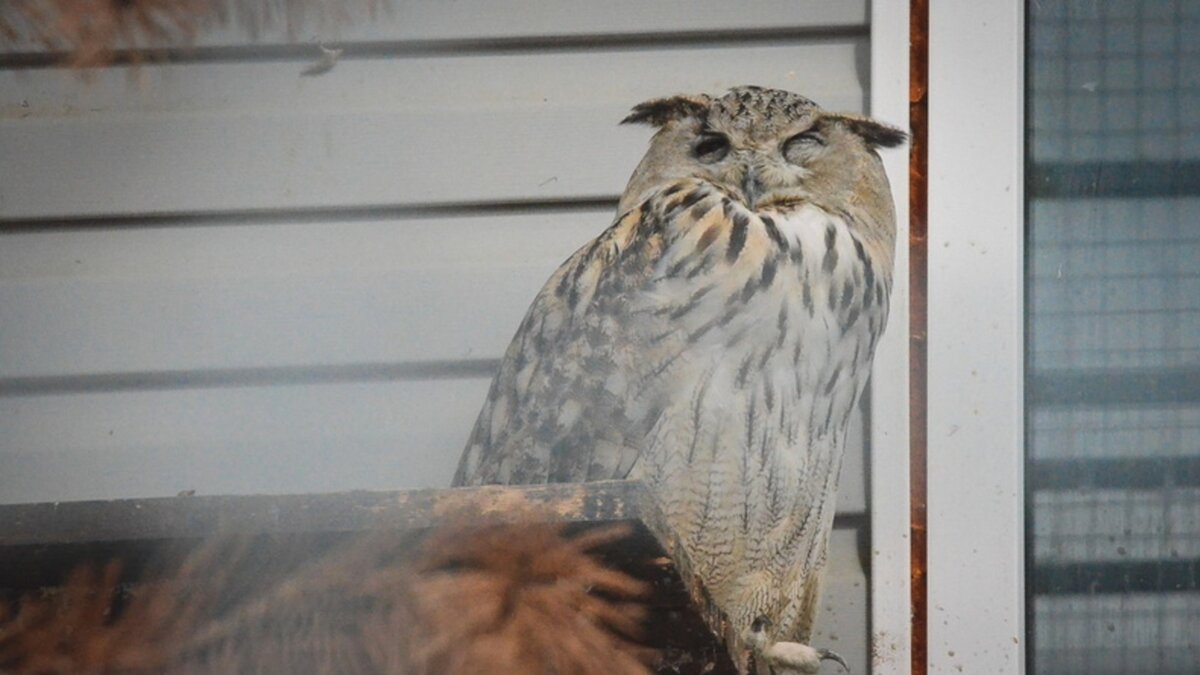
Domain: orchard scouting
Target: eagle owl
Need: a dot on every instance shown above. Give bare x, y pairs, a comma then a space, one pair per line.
713, 342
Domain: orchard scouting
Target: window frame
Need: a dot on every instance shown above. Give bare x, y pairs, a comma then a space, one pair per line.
976, 368
888, 500
974, 396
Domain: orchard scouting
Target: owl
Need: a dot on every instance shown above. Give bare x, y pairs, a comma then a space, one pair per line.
713, 342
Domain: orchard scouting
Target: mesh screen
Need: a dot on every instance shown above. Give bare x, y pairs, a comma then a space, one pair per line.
1113, 238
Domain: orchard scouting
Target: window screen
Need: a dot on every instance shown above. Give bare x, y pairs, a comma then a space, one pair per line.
1113, 381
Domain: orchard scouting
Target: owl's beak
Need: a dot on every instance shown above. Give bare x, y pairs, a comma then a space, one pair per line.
752, 186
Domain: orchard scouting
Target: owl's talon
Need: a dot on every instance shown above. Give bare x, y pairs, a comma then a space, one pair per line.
830, 655
794, 658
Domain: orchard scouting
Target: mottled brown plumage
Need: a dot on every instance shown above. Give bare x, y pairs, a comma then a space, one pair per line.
502, 598
714, 342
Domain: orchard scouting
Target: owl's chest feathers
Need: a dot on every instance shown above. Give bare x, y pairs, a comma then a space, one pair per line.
774, 345
793, 305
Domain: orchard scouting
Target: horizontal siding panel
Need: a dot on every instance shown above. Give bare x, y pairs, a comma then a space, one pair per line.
235, 441
252, 440
85, 302
222, 137
79, 302
401, 21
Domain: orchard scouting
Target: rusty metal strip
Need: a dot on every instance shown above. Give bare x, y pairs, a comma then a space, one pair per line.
918, 323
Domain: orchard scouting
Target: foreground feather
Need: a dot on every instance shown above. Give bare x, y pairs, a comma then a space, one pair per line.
91, 32
502, 598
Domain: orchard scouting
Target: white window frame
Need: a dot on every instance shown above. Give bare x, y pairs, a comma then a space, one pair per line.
891, 621
975, 338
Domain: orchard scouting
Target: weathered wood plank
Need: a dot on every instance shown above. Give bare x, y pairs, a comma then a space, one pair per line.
202, 516
38, 541
56, 534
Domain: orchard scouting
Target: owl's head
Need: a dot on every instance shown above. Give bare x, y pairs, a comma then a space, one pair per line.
764, 147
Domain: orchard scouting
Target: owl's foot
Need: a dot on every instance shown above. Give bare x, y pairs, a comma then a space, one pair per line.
793, 658
789, 658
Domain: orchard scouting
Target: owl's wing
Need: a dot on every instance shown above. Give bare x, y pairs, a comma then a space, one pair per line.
578, 387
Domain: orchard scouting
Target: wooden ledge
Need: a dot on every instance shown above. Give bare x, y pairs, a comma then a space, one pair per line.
40, 543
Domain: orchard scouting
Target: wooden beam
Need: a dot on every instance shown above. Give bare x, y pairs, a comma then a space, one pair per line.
41, 543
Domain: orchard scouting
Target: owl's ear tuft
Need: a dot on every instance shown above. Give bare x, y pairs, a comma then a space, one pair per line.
659, 111
876, 134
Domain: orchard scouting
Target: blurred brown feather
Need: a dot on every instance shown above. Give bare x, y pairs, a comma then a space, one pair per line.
464, 599
92, 31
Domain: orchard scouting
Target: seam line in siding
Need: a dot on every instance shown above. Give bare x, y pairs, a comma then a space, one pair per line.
221, 378
455, 47
298, 215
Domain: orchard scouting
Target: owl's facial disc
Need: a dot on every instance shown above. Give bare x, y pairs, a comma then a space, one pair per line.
759, 166
764, 147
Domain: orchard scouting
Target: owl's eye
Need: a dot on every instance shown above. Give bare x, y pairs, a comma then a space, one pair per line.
711, 148
798, 146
